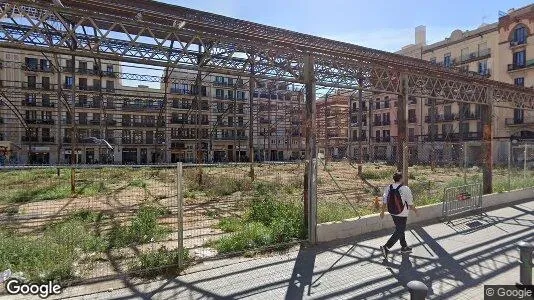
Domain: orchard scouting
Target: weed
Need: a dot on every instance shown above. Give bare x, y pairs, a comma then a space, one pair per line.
160, 261
138, 183
51, 256
231, 224
252, 235
143, 228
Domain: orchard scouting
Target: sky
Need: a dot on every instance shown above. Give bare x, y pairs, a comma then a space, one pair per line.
380, 24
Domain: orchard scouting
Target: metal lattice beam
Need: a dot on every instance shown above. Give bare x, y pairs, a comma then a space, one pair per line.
231, 46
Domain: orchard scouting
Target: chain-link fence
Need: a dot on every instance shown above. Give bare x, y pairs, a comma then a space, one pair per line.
345, 192
123, 220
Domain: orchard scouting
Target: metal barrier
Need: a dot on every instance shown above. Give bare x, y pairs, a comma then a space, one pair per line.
460, 199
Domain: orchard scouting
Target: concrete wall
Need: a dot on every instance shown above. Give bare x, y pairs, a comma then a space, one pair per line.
352, 227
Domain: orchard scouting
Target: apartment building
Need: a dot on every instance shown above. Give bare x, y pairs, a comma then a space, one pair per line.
37, 88
332, 115
439, 130
279, 130
213, 124
516, 65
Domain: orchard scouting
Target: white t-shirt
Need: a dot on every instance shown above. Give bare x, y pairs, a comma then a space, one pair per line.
406, 196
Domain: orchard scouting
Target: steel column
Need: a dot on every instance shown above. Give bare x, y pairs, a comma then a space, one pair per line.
310, 188
487, 145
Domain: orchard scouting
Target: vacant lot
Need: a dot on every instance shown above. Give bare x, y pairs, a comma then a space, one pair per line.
122, 219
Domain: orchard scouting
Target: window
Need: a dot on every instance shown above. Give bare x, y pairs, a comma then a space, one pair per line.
68, 81
109, 68
483, 67
377, 133
110, 85
447, 110
32, 81
377, 104
483, 49
447, 60
46, 100
219, 94
464, 54
520, 35
82, 65
31, 63
411, 116
45, 82
219, 79
433, 60
519, 59
520, 81
45, 65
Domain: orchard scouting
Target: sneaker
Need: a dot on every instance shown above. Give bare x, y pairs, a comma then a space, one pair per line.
406, 249
385, 251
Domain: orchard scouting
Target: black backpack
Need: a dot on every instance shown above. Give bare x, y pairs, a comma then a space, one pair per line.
395, 203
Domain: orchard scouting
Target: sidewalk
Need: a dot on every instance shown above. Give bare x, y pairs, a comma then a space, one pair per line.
455, 260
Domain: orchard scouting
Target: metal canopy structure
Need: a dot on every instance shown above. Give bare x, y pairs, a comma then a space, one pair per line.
176, 38
145, 32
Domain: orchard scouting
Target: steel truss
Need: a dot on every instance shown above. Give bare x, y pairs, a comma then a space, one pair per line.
230, 46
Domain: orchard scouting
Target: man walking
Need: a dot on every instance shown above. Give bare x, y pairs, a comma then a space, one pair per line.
398, 199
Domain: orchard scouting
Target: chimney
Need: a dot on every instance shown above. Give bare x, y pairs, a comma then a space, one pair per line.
420, 35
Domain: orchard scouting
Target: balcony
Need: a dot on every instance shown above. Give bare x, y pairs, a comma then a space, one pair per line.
136, 107
181, 91
514, 44
180, 121
450, 117
411, 120
40, 121
30, 139
513, 67
514, 121
473, 56
94, 122
38, 86
28, 103
384, 139
35, 68
49, 104
183, 137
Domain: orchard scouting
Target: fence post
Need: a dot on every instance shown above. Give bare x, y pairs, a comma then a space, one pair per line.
418, 290
465, 162
180, 198
525, 262
525, 162
509, 165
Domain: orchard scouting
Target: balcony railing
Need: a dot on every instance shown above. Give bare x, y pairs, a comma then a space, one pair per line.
38, 86
517, 43
449, 117
529, 63
40, 121
181, 91
36, 68
30, 139
515, 121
